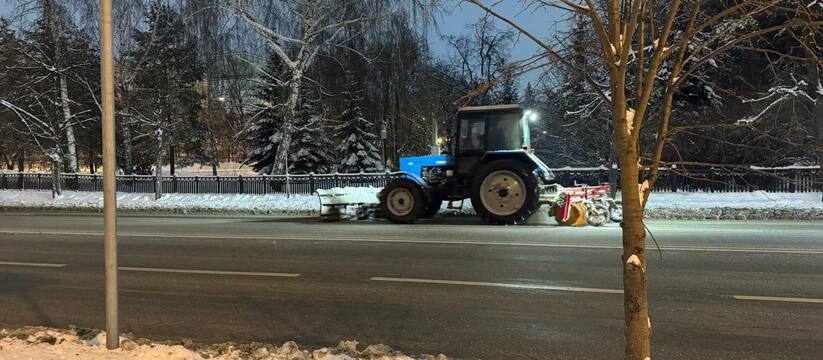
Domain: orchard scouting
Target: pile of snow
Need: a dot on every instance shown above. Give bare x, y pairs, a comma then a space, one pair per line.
178, 203
742, 200
756, 205
53, 344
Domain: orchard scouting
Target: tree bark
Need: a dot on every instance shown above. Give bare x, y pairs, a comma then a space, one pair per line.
635, 304
158, 173
281, 159
21, 160
71, 142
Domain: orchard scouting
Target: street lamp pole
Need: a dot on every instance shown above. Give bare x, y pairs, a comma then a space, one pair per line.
109, 179
383, 135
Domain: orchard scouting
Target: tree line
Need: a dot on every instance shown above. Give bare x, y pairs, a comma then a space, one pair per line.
320, 85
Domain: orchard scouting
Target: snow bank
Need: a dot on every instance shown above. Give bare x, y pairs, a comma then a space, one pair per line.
757, 205
178, 203
748, 200
53, 344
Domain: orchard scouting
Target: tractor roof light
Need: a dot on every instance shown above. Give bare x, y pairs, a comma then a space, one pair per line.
531, 115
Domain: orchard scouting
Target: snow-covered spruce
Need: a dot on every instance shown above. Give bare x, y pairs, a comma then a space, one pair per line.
360, 155
56, 344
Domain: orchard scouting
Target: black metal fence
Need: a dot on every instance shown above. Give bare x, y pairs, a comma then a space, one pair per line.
801, 179
788, 179
269, 184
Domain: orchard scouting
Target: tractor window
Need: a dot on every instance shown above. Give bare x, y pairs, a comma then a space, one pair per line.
505, 132
472, 134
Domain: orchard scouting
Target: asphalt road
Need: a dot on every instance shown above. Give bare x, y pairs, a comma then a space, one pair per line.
723, 290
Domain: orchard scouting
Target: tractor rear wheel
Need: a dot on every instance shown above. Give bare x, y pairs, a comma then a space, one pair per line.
505, 193
402, 201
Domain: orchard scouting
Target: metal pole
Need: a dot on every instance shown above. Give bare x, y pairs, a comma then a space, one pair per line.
109, 179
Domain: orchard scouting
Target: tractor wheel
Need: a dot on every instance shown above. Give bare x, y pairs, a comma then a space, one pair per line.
505, 193
401, 201
431, 209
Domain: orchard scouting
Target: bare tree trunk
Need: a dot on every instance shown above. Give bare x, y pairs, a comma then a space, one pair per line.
635, 303
281, 159
21, 160
158, 173
71, 142
56, 182
92, 162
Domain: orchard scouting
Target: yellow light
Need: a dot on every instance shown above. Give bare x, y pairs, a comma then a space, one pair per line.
440, 141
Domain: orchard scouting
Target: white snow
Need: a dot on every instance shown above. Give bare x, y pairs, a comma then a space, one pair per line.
748, 200
634, 260
54, 344
169, 202
819, 85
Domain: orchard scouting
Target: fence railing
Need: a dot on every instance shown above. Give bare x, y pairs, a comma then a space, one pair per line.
796, 179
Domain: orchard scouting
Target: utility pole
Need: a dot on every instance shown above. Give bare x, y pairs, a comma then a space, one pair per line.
109, 179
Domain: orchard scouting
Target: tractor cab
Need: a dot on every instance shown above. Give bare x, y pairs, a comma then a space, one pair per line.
489, 162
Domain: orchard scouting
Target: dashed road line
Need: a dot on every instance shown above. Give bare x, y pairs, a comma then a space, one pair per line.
778, 299
495, 284
208, 272
16, 263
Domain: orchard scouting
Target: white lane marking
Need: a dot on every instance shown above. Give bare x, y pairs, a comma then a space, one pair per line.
808, 251
207, 272
15, 263
778, 299
493, 284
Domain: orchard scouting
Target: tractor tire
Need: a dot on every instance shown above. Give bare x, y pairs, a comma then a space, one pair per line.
431, 209
504, 192
402, 201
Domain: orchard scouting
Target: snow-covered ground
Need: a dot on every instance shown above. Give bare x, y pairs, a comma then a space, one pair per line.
680, 205
54, 344
179, 203
757, 205
755, 199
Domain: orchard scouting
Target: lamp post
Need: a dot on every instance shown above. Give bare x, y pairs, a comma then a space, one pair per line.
109, 180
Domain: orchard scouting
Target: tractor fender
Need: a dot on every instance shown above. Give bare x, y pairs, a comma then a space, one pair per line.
409, 176
518, 155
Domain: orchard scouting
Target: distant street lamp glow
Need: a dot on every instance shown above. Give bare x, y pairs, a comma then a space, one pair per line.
221, 99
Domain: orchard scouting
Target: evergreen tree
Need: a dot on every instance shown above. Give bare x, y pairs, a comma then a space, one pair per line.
310, 147
263, 132
357, 149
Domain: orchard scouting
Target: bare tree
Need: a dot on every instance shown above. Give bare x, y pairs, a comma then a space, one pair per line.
641, 48
304, 29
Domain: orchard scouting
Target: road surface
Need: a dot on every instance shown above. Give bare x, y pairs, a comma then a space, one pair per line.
723, 290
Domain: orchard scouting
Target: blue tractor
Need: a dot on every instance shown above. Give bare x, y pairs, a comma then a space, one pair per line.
489, 162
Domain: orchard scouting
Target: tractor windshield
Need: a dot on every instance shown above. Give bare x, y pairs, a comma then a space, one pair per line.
505, 132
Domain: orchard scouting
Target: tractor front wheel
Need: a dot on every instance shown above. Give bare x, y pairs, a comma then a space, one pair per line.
505, 193
402, 201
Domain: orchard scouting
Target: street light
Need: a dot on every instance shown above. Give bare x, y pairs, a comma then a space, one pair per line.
109, 180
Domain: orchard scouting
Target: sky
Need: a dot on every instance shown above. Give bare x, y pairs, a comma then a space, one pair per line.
460, 15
